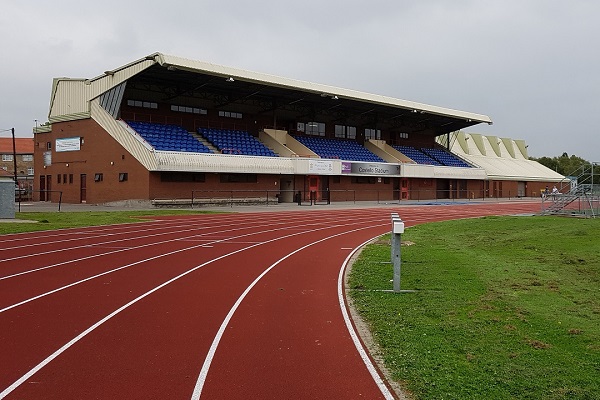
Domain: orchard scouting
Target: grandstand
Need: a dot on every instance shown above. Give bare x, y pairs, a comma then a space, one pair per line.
165, 127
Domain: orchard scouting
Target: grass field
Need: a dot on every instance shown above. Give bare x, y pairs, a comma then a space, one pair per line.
60, 220
504, 308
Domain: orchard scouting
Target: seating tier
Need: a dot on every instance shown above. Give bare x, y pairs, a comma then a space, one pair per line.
236, 142
168, 137
338, 149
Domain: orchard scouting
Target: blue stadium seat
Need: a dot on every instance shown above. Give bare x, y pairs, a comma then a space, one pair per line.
236, 142
168, 137
338, 149
416, 155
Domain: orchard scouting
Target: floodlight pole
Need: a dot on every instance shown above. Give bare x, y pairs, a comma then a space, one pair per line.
14, 155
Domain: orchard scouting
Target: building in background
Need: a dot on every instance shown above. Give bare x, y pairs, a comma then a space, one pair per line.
166, 128
25, 164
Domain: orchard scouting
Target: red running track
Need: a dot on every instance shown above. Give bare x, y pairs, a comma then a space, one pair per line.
232, 306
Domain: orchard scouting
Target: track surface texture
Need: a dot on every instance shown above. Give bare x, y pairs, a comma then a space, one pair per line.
230, 306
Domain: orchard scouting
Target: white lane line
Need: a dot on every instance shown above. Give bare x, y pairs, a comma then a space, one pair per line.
212, 240
143, 261
86, 236
76, 339
359, 347
213, 348
96, 255
152, 223
188, 226
122, 229
127, 249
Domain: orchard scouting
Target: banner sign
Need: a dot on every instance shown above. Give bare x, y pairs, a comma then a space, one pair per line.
68, 144
370, 168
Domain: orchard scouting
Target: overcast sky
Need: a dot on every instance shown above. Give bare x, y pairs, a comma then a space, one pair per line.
532, 66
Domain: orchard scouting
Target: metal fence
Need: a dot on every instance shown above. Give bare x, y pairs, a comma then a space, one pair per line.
29, 197
200, 198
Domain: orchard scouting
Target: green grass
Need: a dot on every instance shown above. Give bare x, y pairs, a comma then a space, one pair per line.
504, 308
59, 220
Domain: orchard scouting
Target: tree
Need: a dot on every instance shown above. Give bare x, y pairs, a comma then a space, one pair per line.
571, 166
565, 164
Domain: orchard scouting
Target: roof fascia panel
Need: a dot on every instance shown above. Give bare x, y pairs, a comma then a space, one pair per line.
287, 83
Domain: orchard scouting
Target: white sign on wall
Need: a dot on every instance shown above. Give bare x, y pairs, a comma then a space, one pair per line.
318, 166
47, 158
68, 144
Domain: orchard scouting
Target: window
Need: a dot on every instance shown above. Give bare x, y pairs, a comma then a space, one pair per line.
123, 177
403, 135
182, 177
48, 145
189, 110
27, 157
64, 178
7, 157
372, 133
363, 179
70, 179
315, 128
230, 114
30, 171
58, 178
351, 132
98, 177
239, 178
343, 132
142, 104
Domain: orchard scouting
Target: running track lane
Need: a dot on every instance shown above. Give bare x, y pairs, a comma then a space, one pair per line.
287, 337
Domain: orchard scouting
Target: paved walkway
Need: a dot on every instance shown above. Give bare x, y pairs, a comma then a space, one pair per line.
133, 206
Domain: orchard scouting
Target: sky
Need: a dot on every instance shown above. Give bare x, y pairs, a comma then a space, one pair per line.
532, 66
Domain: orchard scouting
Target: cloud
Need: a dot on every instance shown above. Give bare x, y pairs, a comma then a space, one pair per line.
531, 66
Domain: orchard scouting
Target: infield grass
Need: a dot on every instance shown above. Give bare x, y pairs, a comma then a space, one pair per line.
61, 220
504, 308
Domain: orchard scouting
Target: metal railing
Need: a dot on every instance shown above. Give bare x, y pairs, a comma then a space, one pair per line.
574, 197
18, 199
200, 198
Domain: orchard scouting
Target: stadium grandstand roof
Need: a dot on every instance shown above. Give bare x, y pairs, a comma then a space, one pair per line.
173, 77
501, 158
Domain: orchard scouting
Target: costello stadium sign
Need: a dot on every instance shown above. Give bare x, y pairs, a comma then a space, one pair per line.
370, 168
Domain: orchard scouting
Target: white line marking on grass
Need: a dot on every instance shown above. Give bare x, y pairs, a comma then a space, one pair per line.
363, 353
213, 348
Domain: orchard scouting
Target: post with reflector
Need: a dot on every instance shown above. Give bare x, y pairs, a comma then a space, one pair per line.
397, 231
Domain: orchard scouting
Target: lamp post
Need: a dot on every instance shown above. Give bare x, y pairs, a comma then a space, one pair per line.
14, 156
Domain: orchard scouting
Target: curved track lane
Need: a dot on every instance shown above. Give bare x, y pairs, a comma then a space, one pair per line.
229, 306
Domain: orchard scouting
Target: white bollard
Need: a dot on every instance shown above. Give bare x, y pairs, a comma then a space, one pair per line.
397, 231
